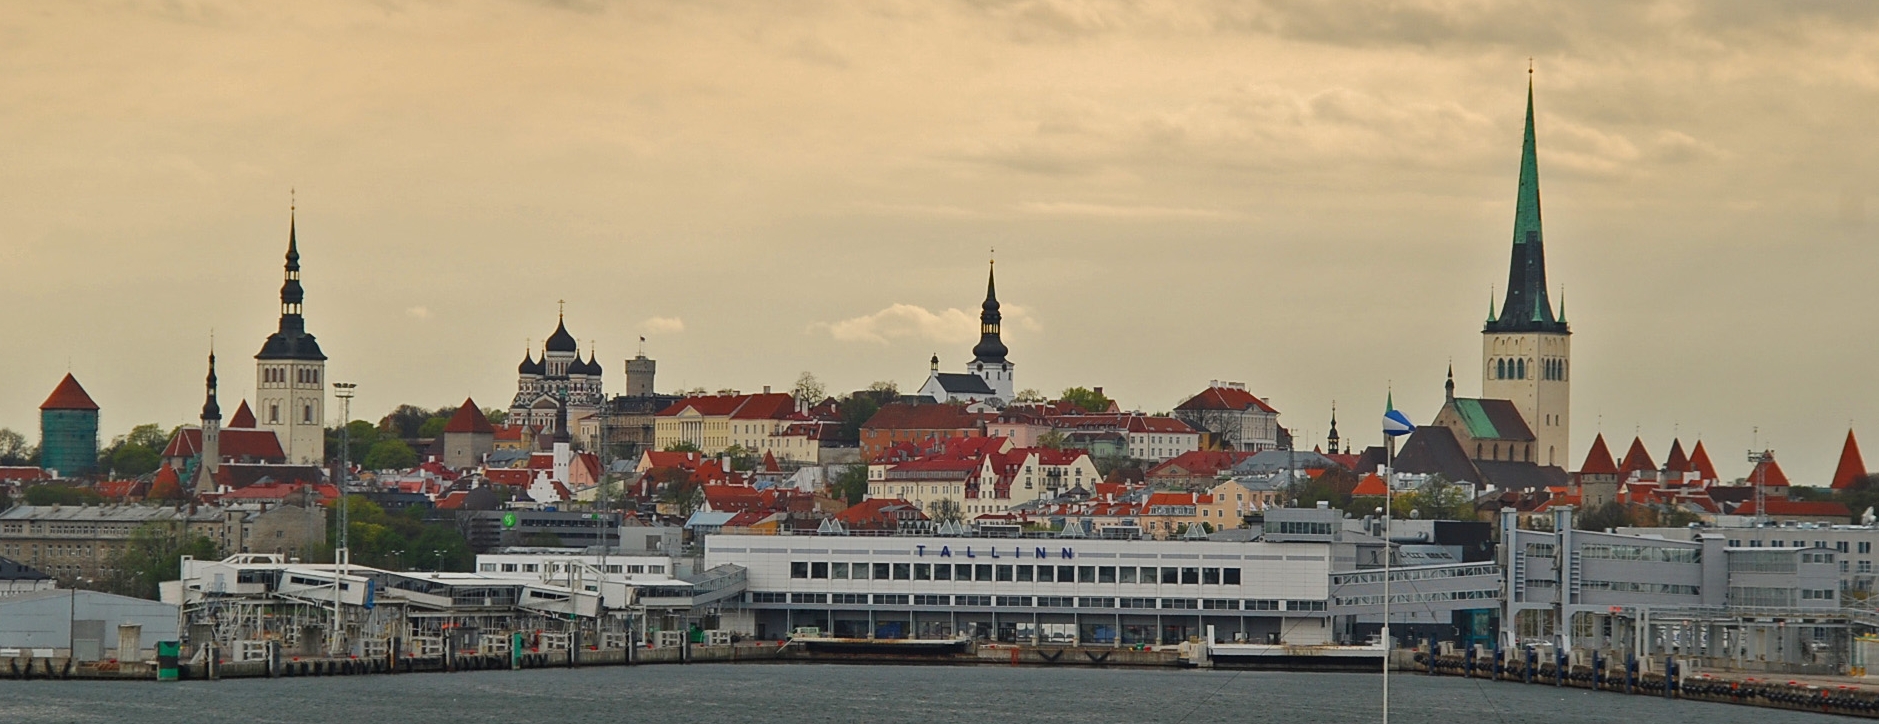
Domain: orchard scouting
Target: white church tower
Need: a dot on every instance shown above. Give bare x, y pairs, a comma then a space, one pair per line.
290, 375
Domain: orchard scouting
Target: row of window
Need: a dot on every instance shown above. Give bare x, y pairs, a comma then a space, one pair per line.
1653, 554
562, 567
1516, 369
1426, 574
1000, 573
1052, 602
1429, 597
1673, 589
302, 375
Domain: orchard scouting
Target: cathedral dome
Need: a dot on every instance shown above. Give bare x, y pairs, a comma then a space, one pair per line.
529, 366
561, 341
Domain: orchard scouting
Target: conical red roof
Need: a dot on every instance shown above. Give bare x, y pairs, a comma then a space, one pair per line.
769, 463
69, 395
1636, 459
1598, 461
1699, 462
1852, 468
1768, 474
469, 418
1370, 487
1677, 462
166, 486
244, 417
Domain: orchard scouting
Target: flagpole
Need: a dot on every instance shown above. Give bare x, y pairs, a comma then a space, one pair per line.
1389, 471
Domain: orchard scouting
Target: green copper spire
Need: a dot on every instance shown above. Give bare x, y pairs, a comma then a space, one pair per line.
1526, 308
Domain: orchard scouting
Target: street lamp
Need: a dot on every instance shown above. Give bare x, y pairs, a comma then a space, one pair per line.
341, 550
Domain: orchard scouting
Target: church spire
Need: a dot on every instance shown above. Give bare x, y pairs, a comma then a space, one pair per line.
991, 347
291, 341
1449, 386
210, 409
1526, 308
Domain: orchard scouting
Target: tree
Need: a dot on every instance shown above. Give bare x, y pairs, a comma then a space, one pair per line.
1053, 439
887, 388
134, 460
390, 455
405, 421
495, 416
1029, 395
1437, 499
684, 495
61, 495
153, 554
433, 427
1611, 514
683, 446
148, 435
945, 510
855, 412
1087, 399
13, 448
809, 390
851, 484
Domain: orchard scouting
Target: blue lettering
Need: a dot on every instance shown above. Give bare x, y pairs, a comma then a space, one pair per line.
1041, 553
1068, 554
922, 551
946, 551
969, 552
994, 551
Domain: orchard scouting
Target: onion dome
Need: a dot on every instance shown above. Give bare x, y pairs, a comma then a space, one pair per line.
561, 341
529, 366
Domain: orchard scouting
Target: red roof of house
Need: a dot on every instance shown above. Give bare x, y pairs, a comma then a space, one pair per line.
732, 498
1370, 487
166, 486
879, 513
1699, 462
663, 459
765, 406
1226, 398
469, 418
1636, 459
1852, 468
452, 500
1199, 463
121, 489
24, 473
769, 463
1767, 473
509, 433
1177, 498
243, 417
1779, 506
1677, 462
69, 395
900, 416
1598, 461
518, 477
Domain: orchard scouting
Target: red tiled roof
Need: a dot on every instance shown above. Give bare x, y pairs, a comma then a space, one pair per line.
453, 500
166, 486
235, 444
243, 417
121, 489
23, 473
469, 418
1370, 487
681, 460
1852, 468
879, 513
1199, 463
1174, 498
1699, 462
1779, 506
1598, 461
510, 433
1636, 459
1226, 398
518, 477
900, 416
69, 395
1677, 462
1768, 474
765, 406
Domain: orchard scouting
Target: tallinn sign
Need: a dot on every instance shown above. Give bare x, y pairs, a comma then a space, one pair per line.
1013, 552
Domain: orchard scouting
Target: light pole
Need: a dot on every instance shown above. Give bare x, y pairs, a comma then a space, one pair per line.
341, 547
1759, 457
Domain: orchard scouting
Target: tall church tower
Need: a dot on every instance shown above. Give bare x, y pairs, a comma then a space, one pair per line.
290, 374
988, 356
1526, 350
211, 459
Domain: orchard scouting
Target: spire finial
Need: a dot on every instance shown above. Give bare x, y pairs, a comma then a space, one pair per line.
561, 308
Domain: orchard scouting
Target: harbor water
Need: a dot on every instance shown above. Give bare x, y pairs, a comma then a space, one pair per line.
788, 694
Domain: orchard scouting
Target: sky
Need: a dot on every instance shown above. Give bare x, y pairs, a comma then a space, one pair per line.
1314, 200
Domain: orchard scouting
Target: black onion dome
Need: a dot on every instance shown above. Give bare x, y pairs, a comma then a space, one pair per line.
561, 341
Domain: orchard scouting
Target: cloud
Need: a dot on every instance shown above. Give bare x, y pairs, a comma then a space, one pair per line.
913, 322
418, 312
662, 325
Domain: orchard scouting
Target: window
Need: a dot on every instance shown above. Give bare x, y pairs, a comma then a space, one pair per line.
1096, 602
1170, 574
1210, 576
890, 599
851, 599
1230, 576
1190, 576
274, 414
838, 570
1219, 604
1304, 605
942, 572
1865, 546
923, 571
808, 598
919, 600
306, 414
1262, 605
1046, 574
972, 600
799, 569
1003, 572
818, 569
1024, 573
882, 571
1840, 546
1066, 574
1086, 574
1014, 601
1125, 574
1181, 603
1106, 574
982, 572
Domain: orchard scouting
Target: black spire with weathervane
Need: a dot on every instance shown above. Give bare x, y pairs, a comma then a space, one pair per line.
990, 349
211, 410
1526, 308
291, 342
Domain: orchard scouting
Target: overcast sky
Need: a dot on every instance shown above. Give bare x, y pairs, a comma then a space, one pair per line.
1313, 200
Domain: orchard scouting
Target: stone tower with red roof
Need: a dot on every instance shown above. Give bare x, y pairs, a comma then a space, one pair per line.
1526, 349
68, 430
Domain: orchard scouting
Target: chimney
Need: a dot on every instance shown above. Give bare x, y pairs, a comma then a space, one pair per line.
766, 389
1099, 390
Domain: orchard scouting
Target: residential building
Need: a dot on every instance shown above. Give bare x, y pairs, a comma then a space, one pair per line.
1150, 438
74, 542
1239, 419
920, 424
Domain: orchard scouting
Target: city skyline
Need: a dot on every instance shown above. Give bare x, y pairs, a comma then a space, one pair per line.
1333, 219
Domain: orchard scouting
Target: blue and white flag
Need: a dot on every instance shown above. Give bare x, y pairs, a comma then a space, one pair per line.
1395, 423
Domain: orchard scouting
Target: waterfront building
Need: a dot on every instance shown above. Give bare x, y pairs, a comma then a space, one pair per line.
68, 430
988, 379
85, 542
290, 373
86, 625
1526, 351
1240, 420
18, 578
